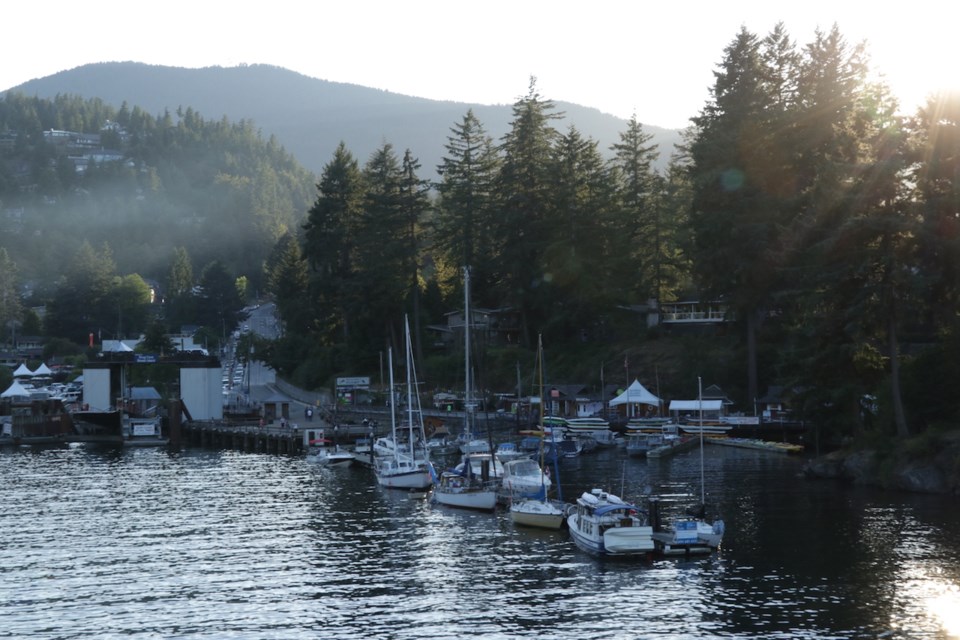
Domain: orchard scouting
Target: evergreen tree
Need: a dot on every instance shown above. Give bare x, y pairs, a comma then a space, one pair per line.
936, 174
577, 280
522, 227
287, 279
639, 230
737, 170
156, 339
465, 207
329, 241
218, 302
383, 246
11, 307
414, 205
83, 302
842, 194
179, 283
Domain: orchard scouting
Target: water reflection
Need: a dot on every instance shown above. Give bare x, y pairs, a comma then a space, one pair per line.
224, 544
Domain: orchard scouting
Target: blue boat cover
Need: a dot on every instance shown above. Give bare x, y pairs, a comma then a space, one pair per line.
607, 508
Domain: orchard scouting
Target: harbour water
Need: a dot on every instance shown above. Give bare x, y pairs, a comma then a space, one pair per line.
102, 543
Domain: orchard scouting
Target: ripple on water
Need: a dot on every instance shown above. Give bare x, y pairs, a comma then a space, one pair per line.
229, 545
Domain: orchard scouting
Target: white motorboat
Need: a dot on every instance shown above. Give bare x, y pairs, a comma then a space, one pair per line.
325, 452
604, 525
507, 451
524, 478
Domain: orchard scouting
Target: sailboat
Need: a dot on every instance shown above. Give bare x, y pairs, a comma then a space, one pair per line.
464, 487
691, 535
538, 510
406, 466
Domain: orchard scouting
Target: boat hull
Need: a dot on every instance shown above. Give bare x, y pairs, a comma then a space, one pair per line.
403, 475
480, 500
618, 541
537, 513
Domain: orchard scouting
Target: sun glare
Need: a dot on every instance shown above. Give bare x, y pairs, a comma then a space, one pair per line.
945, 608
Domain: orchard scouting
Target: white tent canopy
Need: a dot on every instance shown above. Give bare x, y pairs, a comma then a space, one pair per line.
43, 370
23, 371
114, 346
636, 393
696, 405
16, 390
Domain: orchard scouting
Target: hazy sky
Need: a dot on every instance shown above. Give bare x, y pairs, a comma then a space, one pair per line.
622, 57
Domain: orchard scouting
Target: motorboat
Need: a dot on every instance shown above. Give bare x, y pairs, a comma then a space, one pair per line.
603, 525
507, 451
320, 451
522, 478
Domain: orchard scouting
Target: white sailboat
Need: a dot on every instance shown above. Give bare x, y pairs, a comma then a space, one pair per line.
464, 486
536, 510
692, 535
404, 468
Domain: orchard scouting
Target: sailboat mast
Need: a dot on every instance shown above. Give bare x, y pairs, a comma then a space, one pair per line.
406, 323
703, 499
467, 400
393, 403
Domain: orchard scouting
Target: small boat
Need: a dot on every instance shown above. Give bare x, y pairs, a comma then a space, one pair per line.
537, 512
474, 445
528, 485
465, 490
688, 536
523, 478
531, 443
604, 525
320, 451
404, 468
692, 535
507, 451
569, 447
481, 464
363, 452
441, 444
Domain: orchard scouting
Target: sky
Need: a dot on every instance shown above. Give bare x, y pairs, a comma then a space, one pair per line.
623, 57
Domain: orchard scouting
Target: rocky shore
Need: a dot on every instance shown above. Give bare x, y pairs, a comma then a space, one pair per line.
928, 464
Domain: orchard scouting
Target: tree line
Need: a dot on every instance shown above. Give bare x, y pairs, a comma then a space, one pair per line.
801, 199
821, 218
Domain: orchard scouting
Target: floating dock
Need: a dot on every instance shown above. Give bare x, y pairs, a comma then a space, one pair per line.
676, 446
759, 445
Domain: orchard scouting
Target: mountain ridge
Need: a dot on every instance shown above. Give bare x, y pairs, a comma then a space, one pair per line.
310, 116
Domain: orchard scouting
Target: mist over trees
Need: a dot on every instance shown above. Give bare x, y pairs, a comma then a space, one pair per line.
214, 188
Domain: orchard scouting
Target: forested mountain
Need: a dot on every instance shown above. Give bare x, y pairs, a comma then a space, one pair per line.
309, 117
74, 170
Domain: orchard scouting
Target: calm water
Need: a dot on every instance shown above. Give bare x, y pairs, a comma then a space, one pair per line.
150, 544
